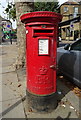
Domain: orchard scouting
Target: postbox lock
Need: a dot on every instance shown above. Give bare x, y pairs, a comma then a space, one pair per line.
54, 67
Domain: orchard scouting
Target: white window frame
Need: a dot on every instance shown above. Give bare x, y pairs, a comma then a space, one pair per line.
65, 9
76, 10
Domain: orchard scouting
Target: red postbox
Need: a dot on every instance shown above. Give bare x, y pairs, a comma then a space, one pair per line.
41, 45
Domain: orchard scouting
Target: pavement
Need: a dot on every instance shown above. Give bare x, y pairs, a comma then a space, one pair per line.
13, 92
63, 42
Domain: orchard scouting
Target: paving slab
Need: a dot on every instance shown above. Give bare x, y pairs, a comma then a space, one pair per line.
6, 69
21, 74
70, 95
11, 81
75, 101
7, 62
14, 109
8, 94
12, 106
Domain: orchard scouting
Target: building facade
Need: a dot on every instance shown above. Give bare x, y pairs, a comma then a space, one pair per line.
71, 22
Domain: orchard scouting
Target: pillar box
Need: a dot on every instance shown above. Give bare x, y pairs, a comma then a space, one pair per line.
41, 45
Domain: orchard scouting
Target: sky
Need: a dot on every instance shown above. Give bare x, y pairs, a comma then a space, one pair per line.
4, 4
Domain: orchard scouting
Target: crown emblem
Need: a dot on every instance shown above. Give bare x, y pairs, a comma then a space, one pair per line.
43, 70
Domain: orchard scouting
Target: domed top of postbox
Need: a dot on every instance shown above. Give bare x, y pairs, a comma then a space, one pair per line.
41, 16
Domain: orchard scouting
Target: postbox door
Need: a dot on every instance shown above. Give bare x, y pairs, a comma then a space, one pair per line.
41, 63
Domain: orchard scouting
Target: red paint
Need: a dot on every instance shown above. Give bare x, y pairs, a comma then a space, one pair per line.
41, 79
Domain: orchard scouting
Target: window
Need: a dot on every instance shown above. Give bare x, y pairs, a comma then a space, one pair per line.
64, 29
75, 11
65, 9
67, 31
76, 34
71, 33
76, 46
80, 33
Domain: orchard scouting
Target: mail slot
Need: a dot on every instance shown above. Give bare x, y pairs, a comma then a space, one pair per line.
43, 32
41, 45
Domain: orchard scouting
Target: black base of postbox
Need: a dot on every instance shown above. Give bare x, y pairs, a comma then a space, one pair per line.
41, 103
